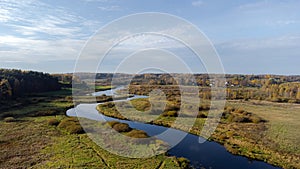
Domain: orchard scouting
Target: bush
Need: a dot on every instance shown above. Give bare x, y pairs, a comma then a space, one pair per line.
239, 111
137, 134
53, 122
75, 129
255, 119
110, 105
275, 99
71, 125
204, 107
172, 107
9, 119
122, 127
170, 114
237, 118
294, 101
183, 162
201, 115
230, 109
241, 119
229, 117
112, 123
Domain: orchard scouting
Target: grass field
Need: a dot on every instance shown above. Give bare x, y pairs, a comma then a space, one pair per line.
259, 130
283, 122
31, 137
102, 88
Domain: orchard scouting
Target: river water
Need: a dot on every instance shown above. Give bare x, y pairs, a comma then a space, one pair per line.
208, 154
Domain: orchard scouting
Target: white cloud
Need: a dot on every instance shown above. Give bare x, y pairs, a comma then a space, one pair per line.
110, 8
197, 3
278, 55
282, 22
266, 6
148, 41
17, 10
278, 43
34, 50
96, 0
35, 17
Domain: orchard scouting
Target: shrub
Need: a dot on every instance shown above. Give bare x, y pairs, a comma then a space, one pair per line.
172, 107
69, 98
230, 109
293, 101
9, 119
225, 114
229, 117
53, 122
122, 127
112, 123
170, 114
240, 119
137, 134
110, 105
71, 125
255, 119
275, 99
204, 107
239, 111
183, 162
201, 115
237, 119
75, 129
229, 134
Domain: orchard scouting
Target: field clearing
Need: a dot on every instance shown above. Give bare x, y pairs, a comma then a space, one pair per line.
259, 130
28, 140
283, 122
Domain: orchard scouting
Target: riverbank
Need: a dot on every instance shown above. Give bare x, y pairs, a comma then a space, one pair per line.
250, 138
30, 137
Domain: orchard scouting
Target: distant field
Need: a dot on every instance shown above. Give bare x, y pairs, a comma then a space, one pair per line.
101, 88
283, 122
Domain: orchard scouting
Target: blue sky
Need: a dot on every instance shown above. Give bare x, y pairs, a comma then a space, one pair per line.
252, 37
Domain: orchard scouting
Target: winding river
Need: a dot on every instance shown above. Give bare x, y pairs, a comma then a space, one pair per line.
208, 154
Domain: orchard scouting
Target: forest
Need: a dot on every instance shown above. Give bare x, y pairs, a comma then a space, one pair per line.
14, 83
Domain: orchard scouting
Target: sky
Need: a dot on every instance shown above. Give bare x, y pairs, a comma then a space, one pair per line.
250, 37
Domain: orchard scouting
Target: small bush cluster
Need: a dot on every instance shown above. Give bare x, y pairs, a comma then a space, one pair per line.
204, 107
137, 134
9, 119
175, 107
71, 125
119, 127
202, 115
240, 116
170, 114
183, 162
53, 122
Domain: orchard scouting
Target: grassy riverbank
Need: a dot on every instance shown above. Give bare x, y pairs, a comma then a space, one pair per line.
258, 130
33, 135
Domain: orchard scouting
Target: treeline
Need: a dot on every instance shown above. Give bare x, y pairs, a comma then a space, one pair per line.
277, 88
285, 92
14, 83
232, 80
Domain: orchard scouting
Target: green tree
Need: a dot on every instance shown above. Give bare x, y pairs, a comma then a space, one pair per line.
5, 89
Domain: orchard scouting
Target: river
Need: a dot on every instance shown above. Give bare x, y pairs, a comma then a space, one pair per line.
208, 154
